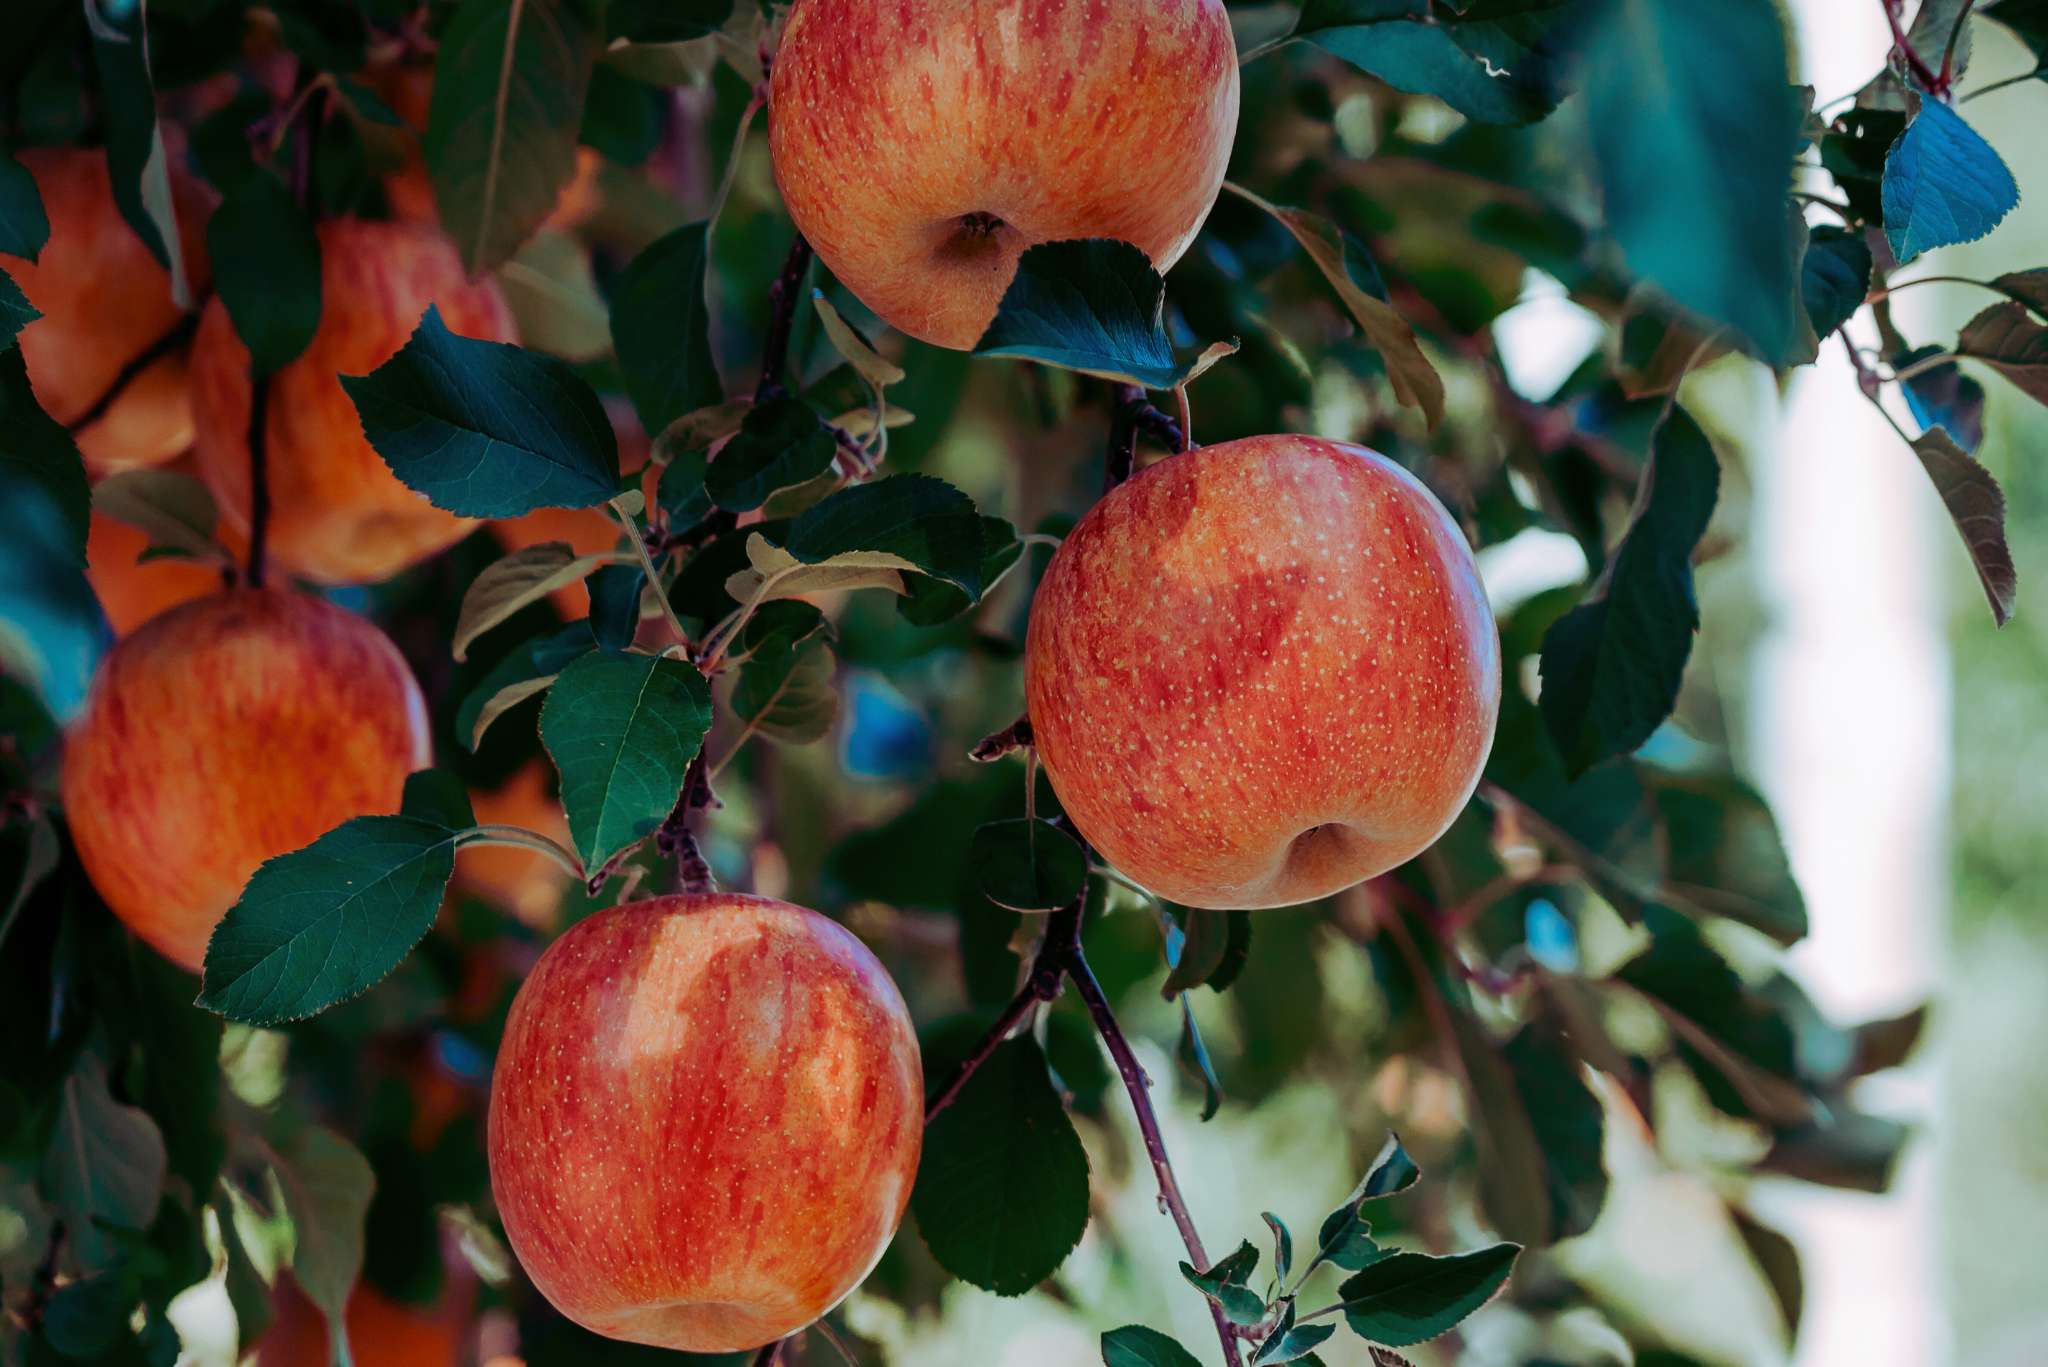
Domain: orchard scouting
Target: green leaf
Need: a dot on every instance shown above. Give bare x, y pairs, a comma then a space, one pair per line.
327, 1188
175, 510
1343, 1238
1612, 665
1834, 278
51, 630
1204, 946
16, 312
1566, 1122
780, 444
1136, 1346
622, 729
1193, 1055
661, 329
266, 268
878, 370
2028, 20
1976, 505
1290, 1342
105, 1165
24, 226
1494, 61
554, 298
509, 82
1349, 268
438, 797
681, 492
1094, 305
1695, 194
40, 452
526, 669
1026, 864
137, 164
2008, 339
1227, 1284
665, 21
515, 581
924, 523
929, 601
328, 922
486, 429
1002, 1191
1942, 184
1283, 1245
1412, 1297
785, 688
616, 593
1855, 156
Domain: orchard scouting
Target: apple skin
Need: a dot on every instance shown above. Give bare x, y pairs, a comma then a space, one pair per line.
893, 124
1263, 671
225, 732
105, 301
705, 1120
338, 514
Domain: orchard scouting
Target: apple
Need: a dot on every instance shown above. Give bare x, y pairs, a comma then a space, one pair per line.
106, 302
922, 145
338, 514
522, 881
224, 732
705, 1120
380, 1330
1263, 671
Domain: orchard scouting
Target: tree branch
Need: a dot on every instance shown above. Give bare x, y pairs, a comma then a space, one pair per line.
1903, 45
1043, 985
675, 839
783, 297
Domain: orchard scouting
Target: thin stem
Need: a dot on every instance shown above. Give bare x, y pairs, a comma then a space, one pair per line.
770, 1354
174, 337
1902, 45
1021, 1006
1955, 34
633, 535
732, 161
1187, 420
675, 839
520, 837
1253, 54
2036, 74
830, 1335
1318, 1314
1840, 207
1122, 457
1138, 1087
782, 301
259, 474
1895, 286
1922, 366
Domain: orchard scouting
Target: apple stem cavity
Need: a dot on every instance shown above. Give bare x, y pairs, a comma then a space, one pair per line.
1060, 959
782, 301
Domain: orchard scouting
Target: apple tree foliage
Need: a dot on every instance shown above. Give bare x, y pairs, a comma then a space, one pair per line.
1594, 939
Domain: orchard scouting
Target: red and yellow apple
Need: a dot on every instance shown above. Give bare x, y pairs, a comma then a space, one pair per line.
1263, 671
106, 302
380, 1330
338, 514
922, 145
705, 1120
224, 732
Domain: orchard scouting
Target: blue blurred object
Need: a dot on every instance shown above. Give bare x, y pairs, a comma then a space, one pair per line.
460, 1057
1552, 941
885, 737
52, 632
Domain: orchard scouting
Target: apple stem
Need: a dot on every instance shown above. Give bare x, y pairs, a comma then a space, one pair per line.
1132, 414
259, 474
782, 301
992, 747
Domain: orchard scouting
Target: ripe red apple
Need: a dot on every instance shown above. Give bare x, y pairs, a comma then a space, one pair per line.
705, 1120
922, 145
1263, 671
224, 732
338, 514
105, 303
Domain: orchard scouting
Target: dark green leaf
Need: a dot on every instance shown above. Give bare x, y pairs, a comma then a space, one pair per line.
1723, 855
137, 164
438, 797
327, 1187
24, 227
38, 451
509, 82
1290, 1342
1494, 61
51, 629
486, 429
1029, 865
623, 119
325, 923
1834, 277
932, 601
2028, 19
1855, 157
1612, 665
622, 730
1343, 1238
1204, 946
1228, 1284
661, 329
1283, 1245
1567, 1123
1002, 1192
785, 688
924, 522
1977, 506
1193, 1054
1412, 1297
1695, 191
527, 669
1942, 184
104, 1169
780, 443
2007, 338
16, 312
681, 491
664, 21
615, 594
1136, 1346
266, 267
1094, 305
